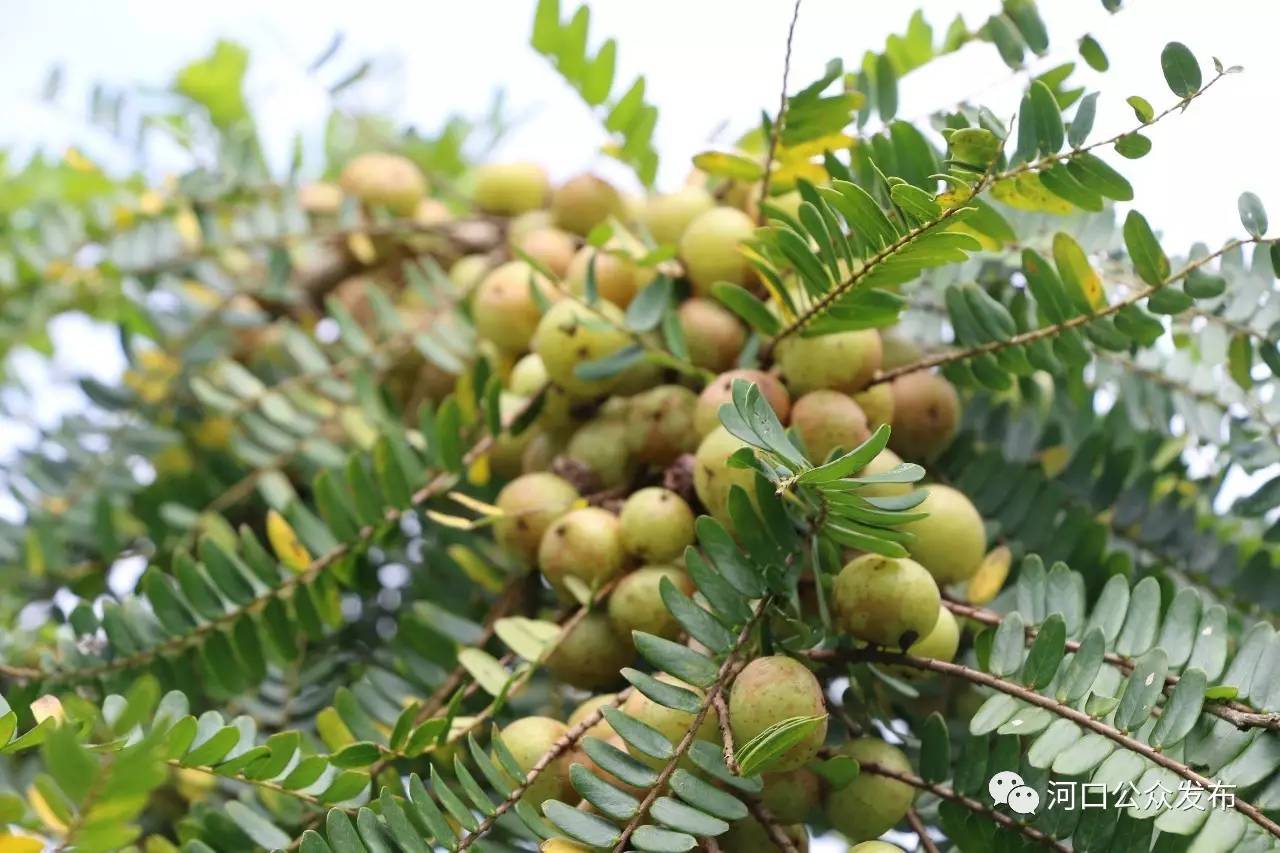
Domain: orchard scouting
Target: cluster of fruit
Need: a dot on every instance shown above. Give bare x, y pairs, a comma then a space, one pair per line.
605, 487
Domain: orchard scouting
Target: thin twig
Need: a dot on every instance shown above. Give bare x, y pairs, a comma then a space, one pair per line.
776, 132
921, 831
772, 827
726, 734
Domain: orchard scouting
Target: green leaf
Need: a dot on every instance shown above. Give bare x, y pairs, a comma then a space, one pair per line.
1046, 653
754, 312
1093, 54
217, 83
1240, 360
886, 88
763, 750
613, 802
1181, 711
1133, 146
1141, 108
1253, 216
1149, 260
1082, 123
599, 76
678, 660
935, 749
1049, 131
1142, 689
645, 311
1008, 646
1181, 70
1085, 664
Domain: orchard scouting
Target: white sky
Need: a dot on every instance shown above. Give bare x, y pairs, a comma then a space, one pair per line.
708, 62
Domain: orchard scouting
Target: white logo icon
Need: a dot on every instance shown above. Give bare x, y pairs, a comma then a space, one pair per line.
1008, 788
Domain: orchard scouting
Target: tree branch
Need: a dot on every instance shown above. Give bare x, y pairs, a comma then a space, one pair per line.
776, 133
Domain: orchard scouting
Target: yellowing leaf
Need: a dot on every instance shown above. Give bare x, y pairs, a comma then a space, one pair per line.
789, 174
332, 730
1026, 192
726, 164
80, 163
478, 473
188, 228
476, 567
194, 785
362, 248
456, 522
475, 505
1076, 273
46, 707
20, 844
44, 811
1054, 459
987, 582
213, 433
150, 203
815, 147
284, 541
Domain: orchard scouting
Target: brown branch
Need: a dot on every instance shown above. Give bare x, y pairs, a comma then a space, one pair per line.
921, 831
775, 134
1039, 700
765, 818
722, 677
726, 734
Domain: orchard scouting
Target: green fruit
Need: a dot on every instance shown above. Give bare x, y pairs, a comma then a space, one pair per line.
551, 247
827, 420
939, 644
510, 188
792, 795
670, 723
667, 216
885, 461
508, 450
711, 248
504, 308
583, 543
591, 654
519, 227
875, 847
951, 541
926, 414
529, 504
528, 739
468, 270
660, 424
770, 690
384, 180
713, 478
749, 834
714, 336
898, 351
870, 805
541, 450
528, 376
656, 525
601, 445
583, 202
843, 361
876, 402
600, 729
618, 279
571, 334
886, 601
636, 602
706, 415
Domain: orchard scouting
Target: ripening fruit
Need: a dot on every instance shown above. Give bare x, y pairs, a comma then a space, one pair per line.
510, 188
877, 404
584, 543
660, 424
528, 376
843, 361
432, 211
519, 227
508, 449
770, 690
601, 445
792, 795
591, 654
710, 248
551, 247
667, 216
713, 334
504, 308
320, 198
672, 724
656, 525
875, 847
951, 541
886, 601
529, 504
719, 391
583, 202
601, 728
886, 460
749, 834
713, 478
384, 180
897, 350
528, 739
940, 644
636, 602
870, 805
570, 334
827, 420
618, 279
926, 413
468, 270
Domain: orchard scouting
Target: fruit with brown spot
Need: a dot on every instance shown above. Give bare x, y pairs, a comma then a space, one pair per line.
656, 525
590, 656
842, 361
719, 391
926, 415
713, 334
529, 504
503, 306
660, 424
711, 248
827, 420
636, 602
870, 805
528, 739
583, 543
571, 334
772, 689
583, 202
886, 601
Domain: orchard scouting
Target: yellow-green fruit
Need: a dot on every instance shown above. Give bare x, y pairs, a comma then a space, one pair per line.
870, 805
320, 198
582, 203
714, 335
591, 654
926, 413
508, 450
875, 847
601, 445
877, 404
562, 845
528, 739
583, 543
551, 247
384, 180
528, 376
571, 334
519, 227
749, 835
660, 424
886, 601
939, 644
770, 690
706, 416
510, 188
468, 270
541, 451
670, 723
636, 602
711, 248
885, 461
667, 216
432, 211
529, 504
504, 308
618, 279
951, 541
601, 727
713, 478
843, 361
827, 420
656, 525
792, 795
897, 350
